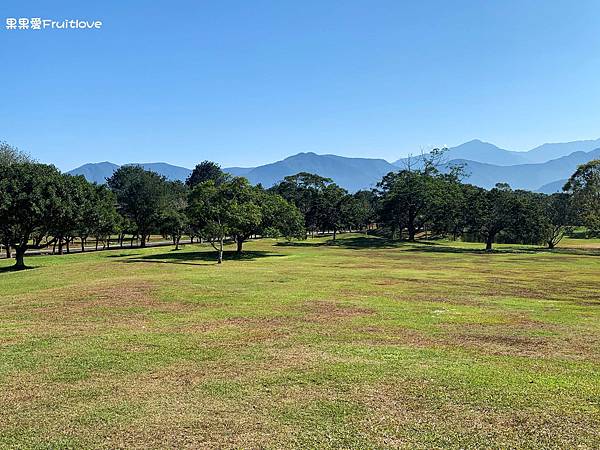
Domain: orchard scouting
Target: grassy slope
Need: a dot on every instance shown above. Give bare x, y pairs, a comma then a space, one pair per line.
352, 345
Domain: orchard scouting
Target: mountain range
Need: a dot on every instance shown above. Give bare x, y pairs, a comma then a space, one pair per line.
544, 168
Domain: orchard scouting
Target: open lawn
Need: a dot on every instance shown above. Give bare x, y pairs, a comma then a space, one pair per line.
361, 344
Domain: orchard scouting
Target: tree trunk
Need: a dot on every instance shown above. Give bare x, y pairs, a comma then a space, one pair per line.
82, 245
551, 245
334, 234
220, 259
60, 246
68, 248
143, 241
20, 256
177, 243
240, 243
8, 252
489, 242
411, 232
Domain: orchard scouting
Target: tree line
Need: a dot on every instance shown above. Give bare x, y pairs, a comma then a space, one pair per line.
41, 207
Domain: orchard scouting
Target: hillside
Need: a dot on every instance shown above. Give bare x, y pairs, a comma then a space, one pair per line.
480, 151
547, 152
525, 176
95, 172
351, 173
486, 163
553, 187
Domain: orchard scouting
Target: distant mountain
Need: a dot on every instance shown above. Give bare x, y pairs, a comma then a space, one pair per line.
99, 172
486, 163
169, 171
525, 176
95, 172
484, 152
547, 152
553, 188
350, 173
238, 171
480, 151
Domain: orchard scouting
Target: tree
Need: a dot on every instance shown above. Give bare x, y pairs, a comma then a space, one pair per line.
516, 215
29, 202
205, 171
10, 154
279, 217
584, 185
404, 197
208, 210
68, 219
141, 196
492, 212
104, 219
333, 209
446, 210
304, 190
559, 217
362, 210
173, 220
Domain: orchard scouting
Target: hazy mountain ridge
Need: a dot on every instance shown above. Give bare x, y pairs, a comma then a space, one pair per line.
525, 176
351, 173
547, 152
480, 151
363, 173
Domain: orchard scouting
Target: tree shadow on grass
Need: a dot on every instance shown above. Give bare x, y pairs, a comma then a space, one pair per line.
12, 268
364, 242
360, 242
356, 243
436, 248
191, 258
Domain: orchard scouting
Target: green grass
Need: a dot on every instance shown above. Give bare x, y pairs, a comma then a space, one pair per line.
359, 344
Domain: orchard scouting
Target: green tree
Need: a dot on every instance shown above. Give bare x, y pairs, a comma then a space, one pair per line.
516, 215
584, 185
141, 196
205, 171
174, 221
559, 217
304, 190
103, 219
333, 209
29, 201
279, 217
492, 212
68, 219
362, 210
404, 197
10, 155
208, 211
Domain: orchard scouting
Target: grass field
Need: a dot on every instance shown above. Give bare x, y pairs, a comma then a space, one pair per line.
362, 344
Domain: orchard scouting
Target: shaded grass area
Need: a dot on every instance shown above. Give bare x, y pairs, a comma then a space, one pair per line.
361, 343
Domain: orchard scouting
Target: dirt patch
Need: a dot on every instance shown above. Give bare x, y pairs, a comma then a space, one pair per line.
324, 311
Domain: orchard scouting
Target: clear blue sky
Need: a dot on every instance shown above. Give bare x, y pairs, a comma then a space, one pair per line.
249, 82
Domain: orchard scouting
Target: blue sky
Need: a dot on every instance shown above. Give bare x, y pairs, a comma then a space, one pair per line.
250, 82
